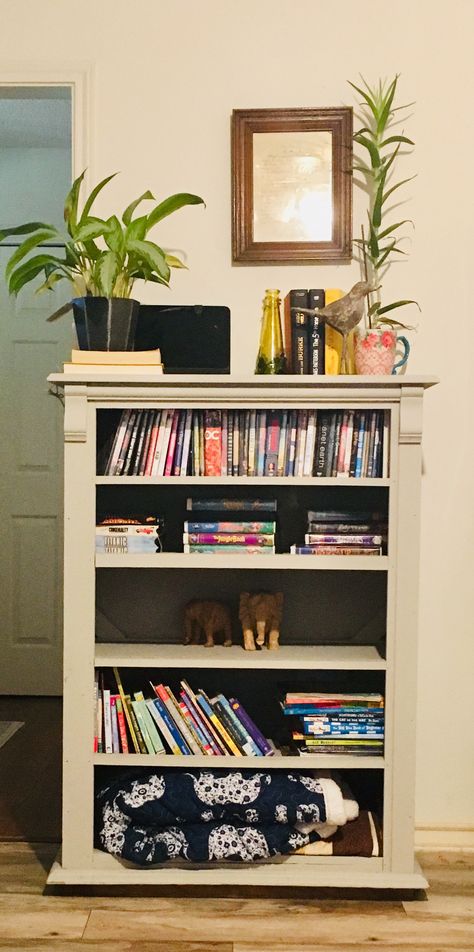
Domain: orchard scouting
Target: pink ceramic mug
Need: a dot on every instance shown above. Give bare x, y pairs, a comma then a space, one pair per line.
375, 351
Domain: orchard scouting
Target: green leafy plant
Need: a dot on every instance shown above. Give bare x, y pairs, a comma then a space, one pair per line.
101, 257
382, 144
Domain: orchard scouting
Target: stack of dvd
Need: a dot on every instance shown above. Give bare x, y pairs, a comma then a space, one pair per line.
118, 535
341, 532
219, 534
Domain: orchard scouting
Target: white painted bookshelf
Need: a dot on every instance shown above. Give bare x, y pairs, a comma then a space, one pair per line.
352, 619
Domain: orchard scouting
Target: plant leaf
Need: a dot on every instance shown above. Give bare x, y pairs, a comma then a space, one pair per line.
368, 99
25, 229
127, 215
71, 202
26, 246
371, 148
383, 234
174, 262
378, 202
137, 229
172, 204
89, 228
385, 113
50, 282
93, 195
398, 185
107, 270
391, 307
60, 311
113, 235
31, 268
373, 309
151, 255
396, 139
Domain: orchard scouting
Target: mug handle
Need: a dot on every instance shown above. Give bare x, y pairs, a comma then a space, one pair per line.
403, 359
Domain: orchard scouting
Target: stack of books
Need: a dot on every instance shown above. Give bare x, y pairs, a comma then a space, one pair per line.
174, 442
337, 723
115, 361
223, 535
341, 532
190, 723
118, 535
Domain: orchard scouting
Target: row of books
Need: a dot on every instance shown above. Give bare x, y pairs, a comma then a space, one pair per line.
191, 723
343, 532
250, 443
229, 537
311, 346
336, 723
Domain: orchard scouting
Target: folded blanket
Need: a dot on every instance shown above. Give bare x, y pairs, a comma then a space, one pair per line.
359, 837
202, 815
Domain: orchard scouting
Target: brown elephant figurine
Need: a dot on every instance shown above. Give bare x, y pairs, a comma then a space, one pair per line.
209, 618
261, 614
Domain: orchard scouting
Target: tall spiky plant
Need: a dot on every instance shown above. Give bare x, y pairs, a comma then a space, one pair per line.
382, 146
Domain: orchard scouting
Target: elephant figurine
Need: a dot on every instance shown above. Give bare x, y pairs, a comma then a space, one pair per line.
260, 614
208, 618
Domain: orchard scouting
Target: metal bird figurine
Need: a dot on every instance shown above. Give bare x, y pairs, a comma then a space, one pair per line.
343, 314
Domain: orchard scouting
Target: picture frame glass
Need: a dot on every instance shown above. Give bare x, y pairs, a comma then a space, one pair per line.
293, 186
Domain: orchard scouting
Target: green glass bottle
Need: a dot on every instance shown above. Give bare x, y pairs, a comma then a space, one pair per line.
271, 356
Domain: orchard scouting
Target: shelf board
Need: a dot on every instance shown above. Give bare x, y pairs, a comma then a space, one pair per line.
309, 761
239, 481
288, 657
218, 560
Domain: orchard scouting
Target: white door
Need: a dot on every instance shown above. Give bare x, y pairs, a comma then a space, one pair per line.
35, 175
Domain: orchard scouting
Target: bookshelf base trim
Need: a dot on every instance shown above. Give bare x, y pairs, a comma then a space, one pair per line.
342, 872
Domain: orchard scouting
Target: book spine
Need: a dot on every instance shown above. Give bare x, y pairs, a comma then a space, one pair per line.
315, 538
162, 728
251, 728
373, 715
221, 730
164, 444
119, 466
261, 439
335, 550
246, 742
244, 442
299, 331
176, 468
264, 528
342, 444
235, 549
107, 721
301, 441
293, 432
200, 725
115, 729
150, 724
386, 444
252, 443
227, 722
96, 712
236, 444
371, 446
138, 734
355, 440
272, 443
310, 443
143, 435
230, 441
195, 732
137, 708
127, 467
172, 706
344, 730
338, 418
224, 441
169, 722
231, 505
282, 444
316, 299
156, 450
121, 692
121, 724
172, 444
348, 447
215, 740
116, 446
150, 455
227, 538
212, 442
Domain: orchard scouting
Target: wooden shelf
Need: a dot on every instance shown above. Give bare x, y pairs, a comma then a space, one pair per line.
288, 657
239, 481
306, 762
297, 563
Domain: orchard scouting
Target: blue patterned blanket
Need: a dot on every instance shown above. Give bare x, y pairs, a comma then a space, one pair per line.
150, 817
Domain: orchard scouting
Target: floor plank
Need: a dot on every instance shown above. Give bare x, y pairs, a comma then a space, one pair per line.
59, 945
45, 924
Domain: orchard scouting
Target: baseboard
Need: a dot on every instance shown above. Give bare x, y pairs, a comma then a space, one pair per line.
446, 838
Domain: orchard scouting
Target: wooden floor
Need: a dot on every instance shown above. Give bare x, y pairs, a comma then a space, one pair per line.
33, 917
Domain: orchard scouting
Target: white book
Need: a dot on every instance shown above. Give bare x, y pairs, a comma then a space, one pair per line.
159, 443
301, 442
166, 442
310, 443
188, 424
107, 721
252, 444
115, 729
386, 444
282, 444
150, 724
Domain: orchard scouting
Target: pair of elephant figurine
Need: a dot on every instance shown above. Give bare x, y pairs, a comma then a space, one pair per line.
259, 614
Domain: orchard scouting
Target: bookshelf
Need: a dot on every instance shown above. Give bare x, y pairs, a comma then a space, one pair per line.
351, 619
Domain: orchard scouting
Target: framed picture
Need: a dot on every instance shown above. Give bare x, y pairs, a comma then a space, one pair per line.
291, 185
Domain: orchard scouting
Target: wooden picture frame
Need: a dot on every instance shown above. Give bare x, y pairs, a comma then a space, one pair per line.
291, 185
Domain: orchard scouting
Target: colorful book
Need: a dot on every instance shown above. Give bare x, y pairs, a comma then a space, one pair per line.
166, 696
265, 528
246, 741
366, 538
251, 728
216, 740
272, 443
107, 721
172, 444
234, 549
243, 745
178, 453
211, 715
212, 442
162, 727
228, 538
171, 725
334, 550
188, 697
194, 728
231, 505
150, 723
114, 721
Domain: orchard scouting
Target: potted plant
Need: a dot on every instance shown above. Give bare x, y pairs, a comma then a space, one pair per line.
102, 259
375, 348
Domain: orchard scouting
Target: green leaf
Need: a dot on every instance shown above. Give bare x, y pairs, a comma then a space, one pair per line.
26, 246
31, 268
383, 234
107, 271
384, 115
170, 205
174, 262
398, 185
368, 99
26, 229
373, 309
113, 235
70, 205
93, 195
50, 282
90, 228
146, 275
373, 242
371, 148
127, 215
396, 139
378, 202
391, 307
60, 311
151, 256
386, 251
388, 162
136, 229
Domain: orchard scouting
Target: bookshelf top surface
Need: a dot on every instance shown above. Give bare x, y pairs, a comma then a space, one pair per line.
221, 383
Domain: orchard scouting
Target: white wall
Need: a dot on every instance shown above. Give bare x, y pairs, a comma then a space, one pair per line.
165, 80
